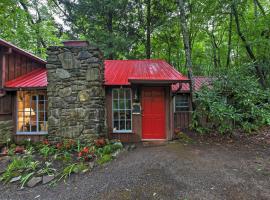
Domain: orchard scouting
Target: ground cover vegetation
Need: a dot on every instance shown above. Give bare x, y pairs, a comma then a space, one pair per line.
54, 162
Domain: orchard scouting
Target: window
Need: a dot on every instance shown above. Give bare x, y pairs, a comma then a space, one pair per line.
121, 110
181, 103
32, 112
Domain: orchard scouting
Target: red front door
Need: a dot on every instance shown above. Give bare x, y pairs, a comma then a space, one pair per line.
153, 115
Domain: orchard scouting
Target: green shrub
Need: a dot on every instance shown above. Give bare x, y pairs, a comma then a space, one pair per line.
235, 100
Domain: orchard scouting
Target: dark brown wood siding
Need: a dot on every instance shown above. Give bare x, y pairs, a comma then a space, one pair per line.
183, 119
17, 65
6, 106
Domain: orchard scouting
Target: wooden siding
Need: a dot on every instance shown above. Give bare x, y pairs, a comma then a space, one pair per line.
14, 64
33, 138
18, 65
6, 107
182, 120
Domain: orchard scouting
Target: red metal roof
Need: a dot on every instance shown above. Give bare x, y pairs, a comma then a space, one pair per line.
35, 79
199, 81
123, 72
117, 72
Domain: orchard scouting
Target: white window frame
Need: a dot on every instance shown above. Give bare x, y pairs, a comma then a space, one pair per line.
174, 104
37, 116
123, 130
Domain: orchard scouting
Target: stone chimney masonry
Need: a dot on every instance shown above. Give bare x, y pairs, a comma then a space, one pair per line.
76, 96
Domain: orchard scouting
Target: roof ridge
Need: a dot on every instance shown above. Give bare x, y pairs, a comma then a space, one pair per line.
6, 43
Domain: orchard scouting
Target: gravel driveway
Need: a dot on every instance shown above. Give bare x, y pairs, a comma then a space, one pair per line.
174, 171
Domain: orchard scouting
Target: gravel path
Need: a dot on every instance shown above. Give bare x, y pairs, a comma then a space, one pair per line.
174, 171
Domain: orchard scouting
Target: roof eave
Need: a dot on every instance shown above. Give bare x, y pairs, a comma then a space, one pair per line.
25, 88
19, 50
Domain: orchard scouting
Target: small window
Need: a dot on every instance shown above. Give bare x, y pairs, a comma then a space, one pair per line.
121, 110
32, 112
181, 103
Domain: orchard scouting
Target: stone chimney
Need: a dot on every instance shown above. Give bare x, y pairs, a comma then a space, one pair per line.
76, 96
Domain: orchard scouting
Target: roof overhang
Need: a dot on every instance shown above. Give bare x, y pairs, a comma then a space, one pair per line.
24, 88
152, 81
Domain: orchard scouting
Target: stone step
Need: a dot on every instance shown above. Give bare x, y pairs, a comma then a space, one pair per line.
153, 143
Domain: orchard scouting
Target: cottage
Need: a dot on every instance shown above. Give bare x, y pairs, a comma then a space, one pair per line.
76, 94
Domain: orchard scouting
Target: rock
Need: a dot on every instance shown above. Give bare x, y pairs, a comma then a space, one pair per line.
62, 73
92, 74
132, 147
116, 153
15, 179
83, 96
34, 181
91, 165
68, 60
84, 55
47, 179
19, 149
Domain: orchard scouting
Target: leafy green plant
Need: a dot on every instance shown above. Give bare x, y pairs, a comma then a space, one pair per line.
47, 169
17, 166
47, 150
25, 178
104, 159
72, 168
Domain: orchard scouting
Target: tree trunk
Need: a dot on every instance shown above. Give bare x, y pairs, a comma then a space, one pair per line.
229, 42
110, 31
148, 30
186, 40
40, 41
250, 53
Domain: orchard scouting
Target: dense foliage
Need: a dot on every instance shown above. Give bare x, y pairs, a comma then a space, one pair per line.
234, 100
222, 34
207, 36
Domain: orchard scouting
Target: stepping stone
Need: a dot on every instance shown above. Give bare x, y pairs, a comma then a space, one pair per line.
15, 179
91, 165
34, 181
47, 179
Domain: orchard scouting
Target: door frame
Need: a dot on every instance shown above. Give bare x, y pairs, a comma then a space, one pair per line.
165, 113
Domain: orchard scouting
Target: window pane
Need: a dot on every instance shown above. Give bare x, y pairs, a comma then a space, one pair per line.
128, 124
115, 115
116, 125
128, 94
115, 93
121, 93
128, 114
181, 103
122, 104
41, 97
122, 125
115, 104
122, 115
128, 104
